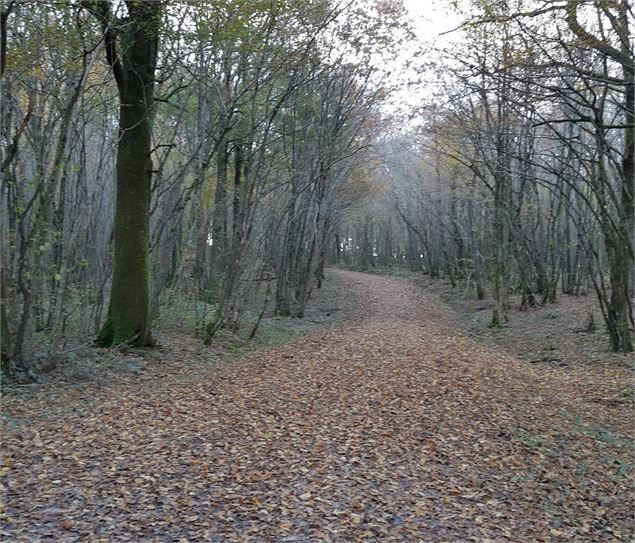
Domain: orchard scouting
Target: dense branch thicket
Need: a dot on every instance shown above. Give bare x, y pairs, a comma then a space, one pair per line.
520, 177
211, 138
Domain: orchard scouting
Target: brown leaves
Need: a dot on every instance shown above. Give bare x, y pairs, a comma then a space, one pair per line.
66, 525
393, 427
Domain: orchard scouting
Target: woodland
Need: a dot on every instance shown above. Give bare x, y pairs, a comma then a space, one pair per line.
417, 212
182, 157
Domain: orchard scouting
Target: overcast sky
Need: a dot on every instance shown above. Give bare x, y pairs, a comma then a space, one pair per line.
430, 19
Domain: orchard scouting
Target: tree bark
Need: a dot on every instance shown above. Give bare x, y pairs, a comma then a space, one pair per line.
128, 311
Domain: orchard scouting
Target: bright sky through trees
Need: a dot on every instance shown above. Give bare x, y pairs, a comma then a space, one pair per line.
432, 23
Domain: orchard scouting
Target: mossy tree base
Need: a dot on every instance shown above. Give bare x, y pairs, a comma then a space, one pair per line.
497, 321
116, 332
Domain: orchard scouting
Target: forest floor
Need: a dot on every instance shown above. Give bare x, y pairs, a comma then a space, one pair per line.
553, 335
395, 422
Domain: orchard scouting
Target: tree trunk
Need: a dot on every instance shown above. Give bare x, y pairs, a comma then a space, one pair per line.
128, 311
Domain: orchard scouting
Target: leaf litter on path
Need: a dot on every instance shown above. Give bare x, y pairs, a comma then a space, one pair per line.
391, 426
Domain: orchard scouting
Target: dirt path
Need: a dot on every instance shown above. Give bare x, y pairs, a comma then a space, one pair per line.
390, 427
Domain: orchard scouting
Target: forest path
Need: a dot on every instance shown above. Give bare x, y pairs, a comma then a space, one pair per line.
392, 426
